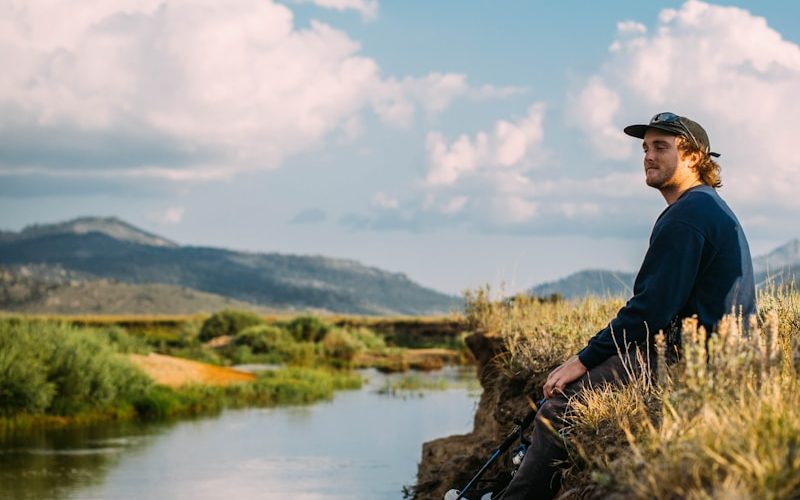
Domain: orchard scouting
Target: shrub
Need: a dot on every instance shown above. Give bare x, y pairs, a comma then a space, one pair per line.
303, 354
228, 322
368, 338
58, 369
265, 339
125, 342
340, 348
308, 328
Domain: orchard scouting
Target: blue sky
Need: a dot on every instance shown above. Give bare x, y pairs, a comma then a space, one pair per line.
462, 143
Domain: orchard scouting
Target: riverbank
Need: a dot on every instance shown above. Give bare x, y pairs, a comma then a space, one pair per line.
55, 375
724, 422
360, 444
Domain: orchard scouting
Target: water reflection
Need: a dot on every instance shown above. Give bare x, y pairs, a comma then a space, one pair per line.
360, 445
50, 464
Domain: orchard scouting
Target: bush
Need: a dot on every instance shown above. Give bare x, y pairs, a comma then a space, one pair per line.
368, 338
308, 328
340, 348
228, 322
303, 354
264, 339
56, 369
125, 342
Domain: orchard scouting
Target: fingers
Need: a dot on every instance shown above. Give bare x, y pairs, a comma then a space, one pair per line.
547, 388
552, 380
554, 386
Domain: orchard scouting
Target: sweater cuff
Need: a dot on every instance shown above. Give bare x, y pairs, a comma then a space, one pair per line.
590, 356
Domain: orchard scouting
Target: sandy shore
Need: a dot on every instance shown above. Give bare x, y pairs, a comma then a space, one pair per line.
174, 372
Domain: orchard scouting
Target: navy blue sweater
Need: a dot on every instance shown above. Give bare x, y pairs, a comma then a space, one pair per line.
698, 263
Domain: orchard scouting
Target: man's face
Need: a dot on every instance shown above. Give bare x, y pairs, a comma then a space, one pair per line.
665, 166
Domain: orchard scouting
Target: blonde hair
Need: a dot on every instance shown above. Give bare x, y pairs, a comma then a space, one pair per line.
707, 169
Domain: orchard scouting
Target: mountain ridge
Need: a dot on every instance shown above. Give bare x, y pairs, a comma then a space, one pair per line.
779, 266
281, 281
111, 226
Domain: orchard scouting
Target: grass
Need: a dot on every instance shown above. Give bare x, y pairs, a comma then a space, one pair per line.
413, 383
723, 422
291, 386
55, 374
61, 370
370, 341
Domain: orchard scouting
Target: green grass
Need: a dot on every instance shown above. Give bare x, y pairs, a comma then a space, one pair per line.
58, 374
291, 386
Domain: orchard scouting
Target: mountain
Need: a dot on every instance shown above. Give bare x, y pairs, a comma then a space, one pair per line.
784, 256
588, 282
780, 266
110, 226
112, 249
30, 295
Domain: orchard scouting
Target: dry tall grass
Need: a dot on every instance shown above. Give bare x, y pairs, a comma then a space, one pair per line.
723, 422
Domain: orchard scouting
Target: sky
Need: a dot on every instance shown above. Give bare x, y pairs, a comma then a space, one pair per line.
463, 143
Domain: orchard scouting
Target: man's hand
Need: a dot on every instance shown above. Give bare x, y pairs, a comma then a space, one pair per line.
569, 371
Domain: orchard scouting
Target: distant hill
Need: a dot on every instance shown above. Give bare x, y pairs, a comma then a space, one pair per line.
597, 282
112, 249
105, 297
780, 266
110, 226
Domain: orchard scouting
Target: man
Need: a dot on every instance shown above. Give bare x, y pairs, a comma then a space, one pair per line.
698, 263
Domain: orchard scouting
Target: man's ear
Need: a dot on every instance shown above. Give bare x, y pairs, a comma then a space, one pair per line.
695, 157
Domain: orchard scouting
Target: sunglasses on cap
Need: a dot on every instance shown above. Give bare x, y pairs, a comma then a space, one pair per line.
675, 121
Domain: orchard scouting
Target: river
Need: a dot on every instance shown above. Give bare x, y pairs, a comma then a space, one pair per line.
362, 444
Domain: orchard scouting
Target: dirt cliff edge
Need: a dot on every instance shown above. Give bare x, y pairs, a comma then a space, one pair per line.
450, 462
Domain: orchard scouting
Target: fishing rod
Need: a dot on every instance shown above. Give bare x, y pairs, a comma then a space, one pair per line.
518, 432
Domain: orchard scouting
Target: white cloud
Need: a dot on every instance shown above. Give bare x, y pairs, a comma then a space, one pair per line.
455, 205
170, 216
572, 210
513, 209
631, 27
215, 88
721, 66
490, 170
394, 100
385, 202
367, 8
487, 92
594, 111
508, 146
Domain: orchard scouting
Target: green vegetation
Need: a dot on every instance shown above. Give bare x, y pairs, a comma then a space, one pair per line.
53, 373
412, 384
77, 370
55, 369
723, 422
308, 328
228, 322
271, 388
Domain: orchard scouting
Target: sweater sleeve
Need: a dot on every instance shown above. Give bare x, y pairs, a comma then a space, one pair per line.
662, 288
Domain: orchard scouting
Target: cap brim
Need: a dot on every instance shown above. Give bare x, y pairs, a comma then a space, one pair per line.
638, 131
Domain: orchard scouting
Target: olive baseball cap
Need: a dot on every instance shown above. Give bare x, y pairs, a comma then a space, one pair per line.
676, 125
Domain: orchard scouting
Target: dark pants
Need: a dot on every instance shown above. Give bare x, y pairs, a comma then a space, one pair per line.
539, 475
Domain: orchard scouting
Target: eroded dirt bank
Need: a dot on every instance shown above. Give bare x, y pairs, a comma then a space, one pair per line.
451, 461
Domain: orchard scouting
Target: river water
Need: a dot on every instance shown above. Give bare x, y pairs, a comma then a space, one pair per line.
363, 444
